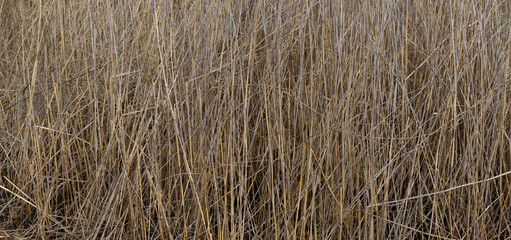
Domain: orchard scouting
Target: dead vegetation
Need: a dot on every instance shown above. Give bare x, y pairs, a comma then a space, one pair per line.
255, 119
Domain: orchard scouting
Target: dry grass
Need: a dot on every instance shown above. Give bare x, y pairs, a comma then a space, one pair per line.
255, 119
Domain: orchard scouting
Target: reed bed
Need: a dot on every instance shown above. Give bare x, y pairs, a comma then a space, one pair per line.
254, 119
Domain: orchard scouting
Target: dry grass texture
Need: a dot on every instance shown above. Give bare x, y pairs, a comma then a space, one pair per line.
289, 119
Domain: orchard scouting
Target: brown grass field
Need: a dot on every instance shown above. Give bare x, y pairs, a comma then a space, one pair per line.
255, 119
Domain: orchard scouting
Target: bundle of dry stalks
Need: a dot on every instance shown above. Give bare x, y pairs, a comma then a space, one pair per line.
255, 119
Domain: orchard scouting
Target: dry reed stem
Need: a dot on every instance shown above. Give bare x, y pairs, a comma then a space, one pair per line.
255, 119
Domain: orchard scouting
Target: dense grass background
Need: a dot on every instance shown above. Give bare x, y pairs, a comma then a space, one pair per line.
320, 119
